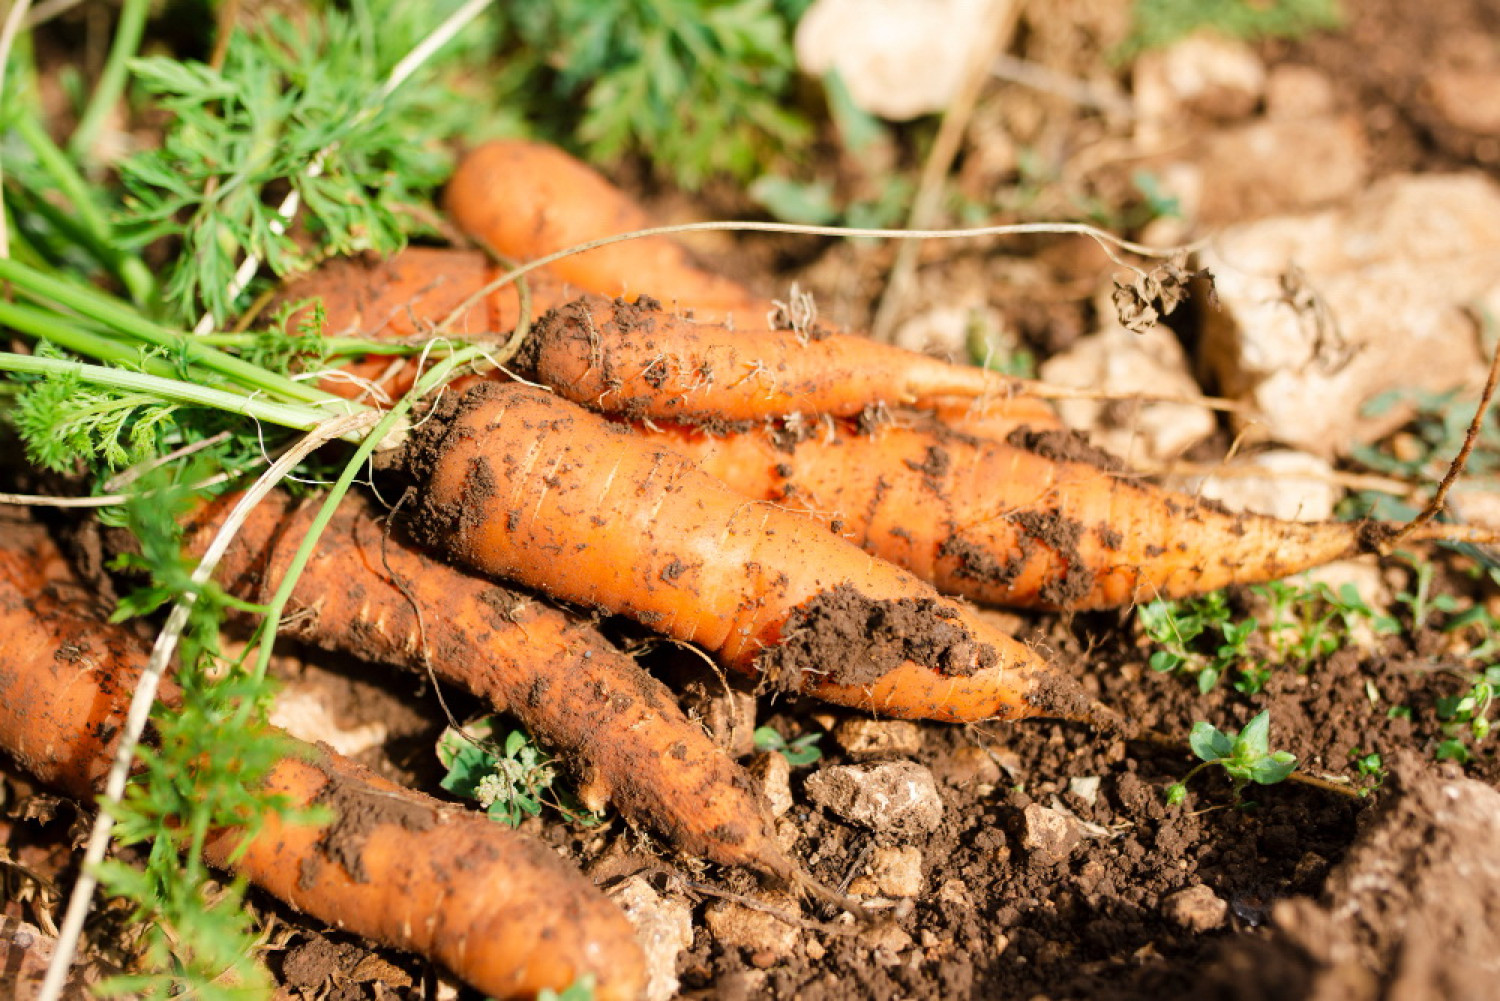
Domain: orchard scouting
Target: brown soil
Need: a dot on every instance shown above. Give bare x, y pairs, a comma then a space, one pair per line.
1273, 895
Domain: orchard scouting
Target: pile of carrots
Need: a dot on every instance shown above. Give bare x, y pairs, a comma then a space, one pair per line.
810, 508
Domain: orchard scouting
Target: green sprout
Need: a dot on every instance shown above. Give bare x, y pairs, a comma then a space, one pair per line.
1245, 756
802, 751
1467, 715
511, 780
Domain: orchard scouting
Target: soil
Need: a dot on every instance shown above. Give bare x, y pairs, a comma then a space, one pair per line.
1058, 869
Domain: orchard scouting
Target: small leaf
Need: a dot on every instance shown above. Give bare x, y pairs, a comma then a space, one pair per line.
1176, 793
1209, 743
1273, 768
1255, 739
1164, 662
1453, 750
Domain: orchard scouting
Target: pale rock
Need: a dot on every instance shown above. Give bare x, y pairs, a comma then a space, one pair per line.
754, 930
886, 943
1468, 99
772, 774
1119, 362
1321, 311
869, 737
1204, 73
300, 710
898, 58
897, 871
955, 892
1085, 787
1294, 91
944, 330
1196, 909
1284, 483
1048, 835
664, 928
1474, 505
896, 796
1313, 162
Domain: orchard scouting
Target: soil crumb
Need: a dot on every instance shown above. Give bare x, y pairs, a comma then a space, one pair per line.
1064, 446
847, 638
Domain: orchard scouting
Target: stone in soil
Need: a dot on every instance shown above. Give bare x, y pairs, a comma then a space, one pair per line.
772, 775
756, 931
1195, 909
1321, 312
664, 928
894, 796
1048, 836
871, 737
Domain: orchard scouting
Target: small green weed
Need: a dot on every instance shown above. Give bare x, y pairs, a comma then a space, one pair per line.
580, 990
700, 87
511, 780
804, 750
1199, 637
1158, 23
1245, 756
1466, 717
1204, 639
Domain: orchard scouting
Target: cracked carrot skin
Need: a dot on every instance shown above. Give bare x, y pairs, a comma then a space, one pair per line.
617, 726
500, 910
517, 483
1005, 525
528, 199
638, 360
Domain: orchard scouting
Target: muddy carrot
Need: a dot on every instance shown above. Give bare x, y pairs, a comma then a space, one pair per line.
1042, 521
517, 483
528, 199
382, 599
500, 910
412, 297
641, 361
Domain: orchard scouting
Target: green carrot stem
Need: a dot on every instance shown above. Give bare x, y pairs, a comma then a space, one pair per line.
46, 325
116, 315
96, 233
111, 83
298, 416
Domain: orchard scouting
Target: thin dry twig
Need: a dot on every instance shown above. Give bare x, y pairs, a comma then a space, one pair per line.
997, 22
1435, 506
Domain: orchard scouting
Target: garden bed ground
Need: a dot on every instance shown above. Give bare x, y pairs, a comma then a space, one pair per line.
1058, 869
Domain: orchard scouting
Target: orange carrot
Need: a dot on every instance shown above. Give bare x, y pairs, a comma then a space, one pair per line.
527, 200
517, 483
500, 910
411, 297
380, 599
637, 360
1045, 522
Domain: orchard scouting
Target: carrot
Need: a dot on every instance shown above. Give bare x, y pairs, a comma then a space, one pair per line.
528, 199
411, 297
503, 912
637, 360
520, 484
615, 724
1045, 522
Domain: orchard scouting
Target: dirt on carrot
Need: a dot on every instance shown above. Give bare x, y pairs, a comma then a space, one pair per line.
503, 912
517, 483
372, 594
